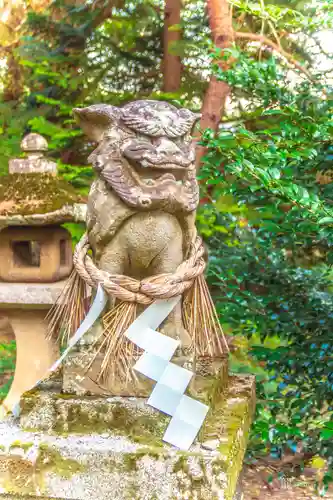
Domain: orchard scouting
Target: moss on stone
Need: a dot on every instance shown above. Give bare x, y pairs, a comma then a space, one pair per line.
188, 481
29, 401
65, 396
128, 462
141, 428
23, 446
219, 465
51, 460
133, 491
148, 440
230, 421
121, 417
149, 430
181, 465
78, 421
25, 478
225, 419
20, 477
152, 452
27, 194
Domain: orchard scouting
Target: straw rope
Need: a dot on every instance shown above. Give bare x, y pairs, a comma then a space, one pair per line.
146, 291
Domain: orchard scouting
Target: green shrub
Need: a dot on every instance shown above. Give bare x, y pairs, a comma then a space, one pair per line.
268, 220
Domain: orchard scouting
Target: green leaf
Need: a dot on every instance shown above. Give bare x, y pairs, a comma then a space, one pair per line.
269, 112
326, 434
274, 173
326, 220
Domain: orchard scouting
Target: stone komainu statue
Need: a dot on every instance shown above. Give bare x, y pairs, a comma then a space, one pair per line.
145, 161
141, 214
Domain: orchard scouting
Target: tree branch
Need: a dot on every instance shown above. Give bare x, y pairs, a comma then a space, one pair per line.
220, 22
266, 41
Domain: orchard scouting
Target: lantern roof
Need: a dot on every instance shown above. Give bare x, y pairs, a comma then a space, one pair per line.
32, 190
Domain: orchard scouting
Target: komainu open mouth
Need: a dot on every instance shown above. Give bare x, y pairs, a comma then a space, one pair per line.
147, 155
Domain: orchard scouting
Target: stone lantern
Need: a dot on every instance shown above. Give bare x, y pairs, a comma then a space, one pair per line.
35, 254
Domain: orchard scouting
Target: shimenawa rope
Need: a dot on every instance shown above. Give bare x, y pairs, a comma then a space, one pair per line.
146, 291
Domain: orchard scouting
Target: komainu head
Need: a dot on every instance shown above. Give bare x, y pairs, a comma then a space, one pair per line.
151, 134
145, 152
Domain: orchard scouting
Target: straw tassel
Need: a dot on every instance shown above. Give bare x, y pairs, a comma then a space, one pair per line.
118, 352
201, 321
71, 307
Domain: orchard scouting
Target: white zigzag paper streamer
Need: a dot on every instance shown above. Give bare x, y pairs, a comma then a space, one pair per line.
172, 380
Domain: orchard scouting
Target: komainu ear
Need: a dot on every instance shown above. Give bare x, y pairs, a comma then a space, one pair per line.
96, 120
192, 118
185, 123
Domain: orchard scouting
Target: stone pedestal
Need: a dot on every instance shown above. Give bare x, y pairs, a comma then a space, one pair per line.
208, 373
25, 306
112, 448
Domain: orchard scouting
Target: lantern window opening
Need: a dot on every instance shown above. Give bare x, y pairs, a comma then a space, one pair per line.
65, 252
26, 253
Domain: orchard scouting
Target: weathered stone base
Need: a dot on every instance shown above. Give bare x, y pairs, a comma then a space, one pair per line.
33, 497
113, 449
208, 372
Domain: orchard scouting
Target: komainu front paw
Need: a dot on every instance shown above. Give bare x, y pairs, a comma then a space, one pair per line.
178, 333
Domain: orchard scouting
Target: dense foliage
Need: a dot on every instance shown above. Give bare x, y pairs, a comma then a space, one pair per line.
94, 57
266, 210
268, 219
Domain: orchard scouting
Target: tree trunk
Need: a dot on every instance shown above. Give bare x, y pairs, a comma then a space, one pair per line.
13, 84
171, 63
220, 22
